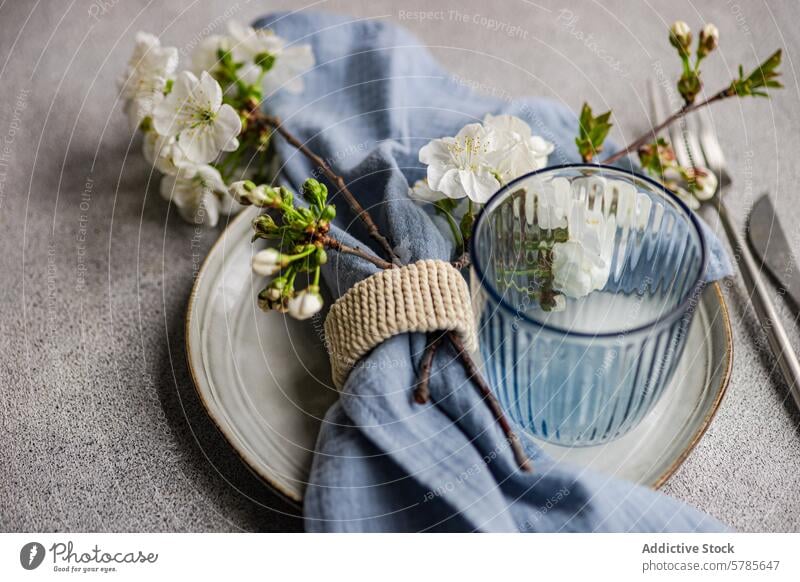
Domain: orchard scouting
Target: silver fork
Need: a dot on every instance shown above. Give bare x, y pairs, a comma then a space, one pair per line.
693, 148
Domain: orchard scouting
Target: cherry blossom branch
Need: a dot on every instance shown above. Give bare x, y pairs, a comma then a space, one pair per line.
474, 375
421, 392
365, 216
336, 245
686, 109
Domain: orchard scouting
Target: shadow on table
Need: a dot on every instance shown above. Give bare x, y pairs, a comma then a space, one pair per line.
241, 497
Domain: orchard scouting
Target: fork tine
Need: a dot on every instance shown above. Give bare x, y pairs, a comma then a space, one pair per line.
658, 109
675, 135
692, 142
715, 160
682, 154
693, 149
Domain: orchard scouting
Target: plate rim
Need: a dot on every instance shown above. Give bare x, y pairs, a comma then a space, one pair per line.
721, 391
293, 498
263, 476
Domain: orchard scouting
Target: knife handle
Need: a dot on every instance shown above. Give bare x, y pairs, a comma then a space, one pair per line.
763, 305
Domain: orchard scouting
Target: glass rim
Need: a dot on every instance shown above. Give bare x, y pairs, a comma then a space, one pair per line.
659, 322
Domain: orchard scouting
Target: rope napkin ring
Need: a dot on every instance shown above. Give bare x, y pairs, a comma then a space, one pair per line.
426, 296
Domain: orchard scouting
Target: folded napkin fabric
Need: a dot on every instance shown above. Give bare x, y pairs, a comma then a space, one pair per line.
383, 462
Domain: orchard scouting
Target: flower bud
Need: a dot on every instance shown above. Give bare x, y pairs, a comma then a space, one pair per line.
305, 304
275, 289
265, 196
314, 192
680, 36
246, 192
709, 40
240, 191
705, 182
689, 86
267, 262
306, 215
657, 155
328, 213
266, 303
265, 226
322, 256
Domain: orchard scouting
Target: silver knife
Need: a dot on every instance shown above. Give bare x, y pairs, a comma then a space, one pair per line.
770, 245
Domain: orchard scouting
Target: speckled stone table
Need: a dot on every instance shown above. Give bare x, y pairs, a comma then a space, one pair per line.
101, 426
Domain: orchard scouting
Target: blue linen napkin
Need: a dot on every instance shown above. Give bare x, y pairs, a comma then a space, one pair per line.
383, 462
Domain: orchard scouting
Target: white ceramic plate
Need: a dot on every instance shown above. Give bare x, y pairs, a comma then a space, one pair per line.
265, 379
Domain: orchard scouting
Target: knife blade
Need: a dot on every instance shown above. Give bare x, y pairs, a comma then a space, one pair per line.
769, 242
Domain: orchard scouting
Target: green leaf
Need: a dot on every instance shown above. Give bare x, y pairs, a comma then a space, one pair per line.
592, 132
445, 208
764, 75
604, 118
446, 205
467, 222
585, 119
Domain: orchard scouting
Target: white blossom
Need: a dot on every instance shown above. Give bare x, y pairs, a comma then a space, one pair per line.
205, 56
463, 165
572, 269
240, 191
245, 192
199, 194
422, 192
289, 66
680, 35
709, 39
480, 159
305, 304
248, 44
680, 28
273, 293
144, 83
522, 151
195, 114
267, 262
582, 264
163, 152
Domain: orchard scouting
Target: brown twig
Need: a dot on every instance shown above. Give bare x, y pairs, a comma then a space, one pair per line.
473, 374
336, 245
637, 143
365, 217
421, 392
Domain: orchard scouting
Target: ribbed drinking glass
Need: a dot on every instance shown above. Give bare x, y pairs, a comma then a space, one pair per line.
584, 370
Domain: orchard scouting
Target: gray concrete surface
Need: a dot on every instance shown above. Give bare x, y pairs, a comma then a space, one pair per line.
101, 428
